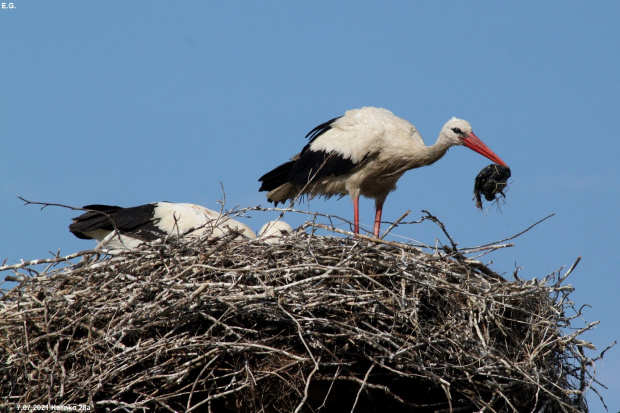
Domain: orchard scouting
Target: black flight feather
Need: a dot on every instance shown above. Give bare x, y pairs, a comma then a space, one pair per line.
314, 165
137, 221
309, 165
321, 129
273, 179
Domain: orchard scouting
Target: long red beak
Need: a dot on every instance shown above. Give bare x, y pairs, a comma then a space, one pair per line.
476, 145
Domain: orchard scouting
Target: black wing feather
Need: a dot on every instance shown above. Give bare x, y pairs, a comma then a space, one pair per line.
136, 220
314, 165
304, 168
321, 129
276, 177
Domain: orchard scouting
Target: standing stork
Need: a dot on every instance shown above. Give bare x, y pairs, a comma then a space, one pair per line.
364, 152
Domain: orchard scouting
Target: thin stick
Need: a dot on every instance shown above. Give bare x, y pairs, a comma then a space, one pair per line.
395, 224
520, 233
362, 387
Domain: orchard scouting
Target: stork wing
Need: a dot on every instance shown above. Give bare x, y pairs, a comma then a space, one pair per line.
337, 147
110, 217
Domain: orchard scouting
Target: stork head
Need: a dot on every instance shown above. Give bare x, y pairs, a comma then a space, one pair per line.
459, 132
272, 231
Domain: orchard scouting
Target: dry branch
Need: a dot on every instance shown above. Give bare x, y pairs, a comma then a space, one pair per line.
313, 324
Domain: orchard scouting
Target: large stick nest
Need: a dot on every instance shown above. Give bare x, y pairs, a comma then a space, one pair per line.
312, 324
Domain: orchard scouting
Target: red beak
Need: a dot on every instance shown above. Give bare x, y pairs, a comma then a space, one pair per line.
476, 145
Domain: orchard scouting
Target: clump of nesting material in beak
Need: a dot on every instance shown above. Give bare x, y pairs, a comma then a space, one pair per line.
491, 180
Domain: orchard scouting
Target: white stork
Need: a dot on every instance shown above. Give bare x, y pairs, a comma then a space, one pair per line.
364, 152
150, 222
273, 231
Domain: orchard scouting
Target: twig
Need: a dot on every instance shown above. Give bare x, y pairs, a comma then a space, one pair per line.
442, 226
364, 383
54, 260
46, 204
395, 224
518, 234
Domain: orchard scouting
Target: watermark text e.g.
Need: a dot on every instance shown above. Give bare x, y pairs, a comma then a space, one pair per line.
6, 6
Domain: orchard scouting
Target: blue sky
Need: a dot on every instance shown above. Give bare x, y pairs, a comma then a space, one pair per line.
132, 102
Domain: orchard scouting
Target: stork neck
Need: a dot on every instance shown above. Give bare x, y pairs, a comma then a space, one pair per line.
427, 155
438, 150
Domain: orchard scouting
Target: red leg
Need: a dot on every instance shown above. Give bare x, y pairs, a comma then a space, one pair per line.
356, 215
379, 206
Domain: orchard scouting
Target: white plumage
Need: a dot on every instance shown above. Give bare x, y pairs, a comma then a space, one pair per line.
273, 231
363, 153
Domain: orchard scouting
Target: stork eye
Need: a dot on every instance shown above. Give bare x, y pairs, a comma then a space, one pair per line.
457, 131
